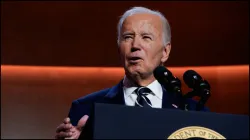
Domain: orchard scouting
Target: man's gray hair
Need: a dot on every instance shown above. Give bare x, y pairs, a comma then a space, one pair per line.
135, 10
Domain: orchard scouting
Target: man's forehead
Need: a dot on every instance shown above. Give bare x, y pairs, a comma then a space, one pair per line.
142, 20
143, 17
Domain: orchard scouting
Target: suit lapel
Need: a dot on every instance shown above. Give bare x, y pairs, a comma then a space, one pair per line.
115, 94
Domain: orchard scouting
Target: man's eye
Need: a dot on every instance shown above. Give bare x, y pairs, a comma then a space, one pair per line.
127, 37
146, 37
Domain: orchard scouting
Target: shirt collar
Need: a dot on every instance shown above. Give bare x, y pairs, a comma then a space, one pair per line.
129, 87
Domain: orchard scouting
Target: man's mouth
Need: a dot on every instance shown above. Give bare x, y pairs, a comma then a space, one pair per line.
134, 59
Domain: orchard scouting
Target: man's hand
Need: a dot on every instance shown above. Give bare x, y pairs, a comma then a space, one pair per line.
68, 131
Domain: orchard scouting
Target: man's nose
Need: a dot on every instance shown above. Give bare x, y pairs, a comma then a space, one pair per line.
136, 44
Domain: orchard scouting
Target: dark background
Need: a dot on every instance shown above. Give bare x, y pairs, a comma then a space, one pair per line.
63, 33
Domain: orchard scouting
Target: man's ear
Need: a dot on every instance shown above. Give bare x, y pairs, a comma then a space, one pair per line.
166, 51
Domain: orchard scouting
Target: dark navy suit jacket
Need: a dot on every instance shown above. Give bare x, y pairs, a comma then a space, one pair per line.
115, 95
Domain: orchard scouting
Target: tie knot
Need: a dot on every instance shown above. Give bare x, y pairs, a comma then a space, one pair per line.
143, 91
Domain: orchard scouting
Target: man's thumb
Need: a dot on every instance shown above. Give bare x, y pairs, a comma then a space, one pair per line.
82, 122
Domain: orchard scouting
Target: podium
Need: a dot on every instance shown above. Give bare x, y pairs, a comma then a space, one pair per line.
110, 121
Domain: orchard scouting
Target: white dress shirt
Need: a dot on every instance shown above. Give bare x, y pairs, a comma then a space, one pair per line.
130, 95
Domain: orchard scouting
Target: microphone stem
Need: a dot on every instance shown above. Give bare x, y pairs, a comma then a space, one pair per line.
204, 97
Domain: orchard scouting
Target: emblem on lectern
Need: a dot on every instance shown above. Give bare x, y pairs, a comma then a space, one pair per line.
193, 132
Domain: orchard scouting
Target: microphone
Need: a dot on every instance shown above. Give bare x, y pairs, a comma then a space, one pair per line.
166, 78
170, 83
201, 87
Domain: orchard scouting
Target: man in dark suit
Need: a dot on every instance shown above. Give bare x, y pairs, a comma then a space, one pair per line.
144, 43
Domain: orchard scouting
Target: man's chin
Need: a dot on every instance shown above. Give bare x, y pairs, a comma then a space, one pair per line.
135, 71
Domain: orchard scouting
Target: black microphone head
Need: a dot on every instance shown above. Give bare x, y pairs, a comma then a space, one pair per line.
191, 78
161, 72
166, 78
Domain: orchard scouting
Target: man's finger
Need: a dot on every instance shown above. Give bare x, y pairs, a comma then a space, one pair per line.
74, 135
72, 129
64, 134
82, 121
66, 120
63, 127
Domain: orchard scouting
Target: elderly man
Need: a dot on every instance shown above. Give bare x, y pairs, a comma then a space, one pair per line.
144, 43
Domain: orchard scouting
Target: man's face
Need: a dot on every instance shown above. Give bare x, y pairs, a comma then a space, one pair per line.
141, 45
